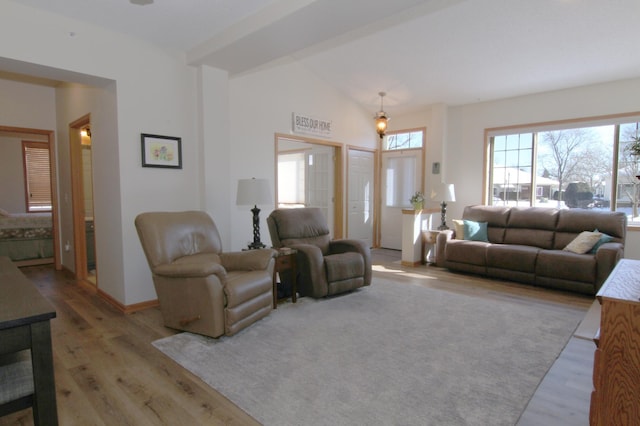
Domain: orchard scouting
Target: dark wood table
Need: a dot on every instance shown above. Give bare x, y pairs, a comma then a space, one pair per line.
24, 324
285, 261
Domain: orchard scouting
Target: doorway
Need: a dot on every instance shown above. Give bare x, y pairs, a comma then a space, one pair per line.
80, 145
309, 174
47, 136
402, 174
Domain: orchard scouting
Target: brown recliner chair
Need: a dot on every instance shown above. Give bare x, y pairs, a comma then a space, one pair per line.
200, 288
326, 267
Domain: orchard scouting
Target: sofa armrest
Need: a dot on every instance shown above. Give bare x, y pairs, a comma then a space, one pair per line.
249, 260
441, 242
607, 256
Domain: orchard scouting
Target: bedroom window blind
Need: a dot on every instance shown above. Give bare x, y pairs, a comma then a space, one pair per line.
37, 176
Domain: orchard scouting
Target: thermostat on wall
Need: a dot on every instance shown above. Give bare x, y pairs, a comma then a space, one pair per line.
435, 168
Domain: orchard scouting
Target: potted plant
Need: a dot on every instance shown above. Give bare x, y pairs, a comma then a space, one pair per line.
417, 200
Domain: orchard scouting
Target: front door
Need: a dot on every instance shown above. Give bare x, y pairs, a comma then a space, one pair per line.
360, 195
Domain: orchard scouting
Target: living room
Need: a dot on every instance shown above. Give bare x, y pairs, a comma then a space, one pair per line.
131, 86
125, 101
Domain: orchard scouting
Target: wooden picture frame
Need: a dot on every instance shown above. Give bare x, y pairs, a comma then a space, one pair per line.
161, 151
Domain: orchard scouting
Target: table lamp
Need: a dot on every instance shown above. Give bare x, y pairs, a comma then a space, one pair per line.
445, 193
253, 192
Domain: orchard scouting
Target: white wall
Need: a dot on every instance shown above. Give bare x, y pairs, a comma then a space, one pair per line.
464, 146
143, 89
213, 129
22, 105
12, 191
261, 105
27, 105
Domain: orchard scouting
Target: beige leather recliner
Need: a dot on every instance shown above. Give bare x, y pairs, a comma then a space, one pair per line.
200, 288
326, 267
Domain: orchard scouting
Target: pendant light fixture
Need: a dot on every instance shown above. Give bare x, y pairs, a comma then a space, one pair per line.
381, 118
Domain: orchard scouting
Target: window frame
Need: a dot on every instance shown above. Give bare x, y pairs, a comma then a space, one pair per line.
535, 128
42, 172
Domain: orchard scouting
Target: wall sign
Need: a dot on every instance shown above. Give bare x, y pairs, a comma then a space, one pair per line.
302, 123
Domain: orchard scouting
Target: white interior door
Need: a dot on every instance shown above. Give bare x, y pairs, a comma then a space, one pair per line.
319, 188
360, 195
401, 175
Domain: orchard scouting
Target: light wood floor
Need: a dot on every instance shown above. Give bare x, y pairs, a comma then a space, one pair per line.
108, 373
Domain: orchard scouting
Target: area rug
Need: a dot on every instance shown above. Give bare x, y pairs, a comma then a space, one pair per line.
388, 354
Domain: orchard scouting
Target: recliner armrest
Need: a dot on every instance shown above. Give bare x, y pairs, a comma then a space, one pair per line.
202, 269
313, 254
249, 260
311, 261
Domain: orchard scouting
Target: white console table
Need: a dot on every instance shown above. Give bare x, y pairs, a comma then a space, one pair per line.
414, 224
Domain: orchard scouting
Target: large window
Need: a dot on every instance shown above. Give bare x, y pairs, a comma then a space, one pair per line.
37, 175
589, 165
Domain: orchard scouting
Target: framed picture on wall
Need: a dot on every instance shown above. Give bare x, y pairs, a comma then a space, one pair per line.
161, 151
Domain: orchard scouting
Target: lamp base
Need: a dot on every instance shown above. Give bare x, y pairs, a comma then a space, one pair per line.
443, 217
256, 244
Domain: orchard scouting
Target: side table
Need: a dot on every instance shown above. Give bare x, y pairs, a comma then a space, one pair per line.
285, 261
429, 246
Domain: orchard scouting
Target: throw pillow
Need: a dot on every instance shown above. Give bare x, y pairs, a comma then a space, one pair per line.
458, 226
475, 231
3, 212
583, 242
604, 238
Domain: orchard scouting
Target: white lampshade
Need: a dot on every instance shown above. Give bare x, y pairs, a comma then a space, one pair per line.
253, 192
444, 192
449, 193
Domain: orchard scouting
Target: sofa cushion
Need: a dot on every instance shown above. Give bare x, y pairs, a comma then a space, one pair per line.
571, 222
583, 242
532, 226
463, 251
564, 265
458, 227
496, 217
513, 257
475, 231
604, 238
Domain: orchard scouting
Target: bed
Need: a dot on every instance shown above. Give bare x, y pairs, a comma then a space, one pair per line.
27, 238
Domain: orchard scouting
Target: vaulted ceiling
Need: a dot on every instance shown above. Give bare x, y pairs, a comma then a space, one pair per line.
420, 52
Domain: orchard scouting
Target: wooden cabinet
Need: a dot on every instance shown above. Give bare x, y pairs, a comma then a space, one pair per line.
615, 399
